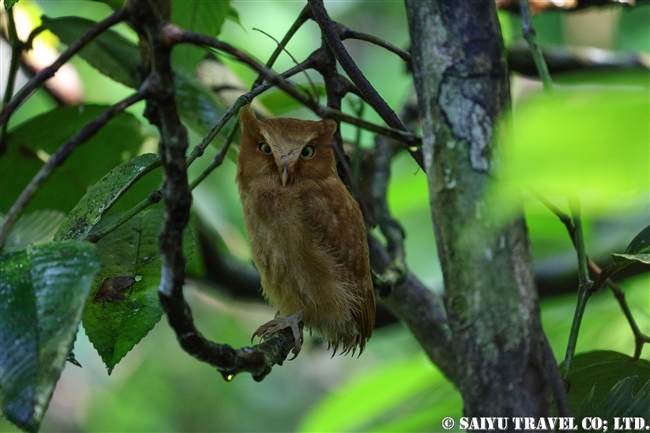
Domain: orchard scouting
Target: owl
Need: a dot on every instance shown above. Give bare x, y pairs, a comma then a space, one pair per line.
306, 232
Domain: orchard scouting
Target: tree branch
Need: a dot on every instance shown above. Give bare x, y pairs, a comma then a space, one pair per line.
179, 36
331, 35
490, 297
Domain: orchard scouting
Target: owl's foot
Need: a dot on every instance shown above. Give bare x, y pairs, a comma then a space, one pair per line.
278, 324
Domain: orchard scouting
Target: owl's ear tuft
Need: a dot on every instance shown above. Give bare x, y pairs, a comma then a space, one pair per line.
329, 126
247, 118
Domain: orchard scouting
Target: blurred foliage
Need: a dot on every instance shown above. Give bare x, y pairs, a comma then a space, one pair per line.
592, 137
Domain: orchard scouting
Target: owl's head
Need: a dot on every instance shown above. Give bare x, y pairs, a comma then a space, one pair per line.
285, 150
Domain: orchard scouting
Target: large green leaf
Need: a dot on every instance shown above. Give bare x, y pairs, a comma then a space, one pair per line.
124, 304
38, 138
409, 395
118, 58
593, 143
90, 209
42, 294
199, 16
34, 228
597, 372
111, 53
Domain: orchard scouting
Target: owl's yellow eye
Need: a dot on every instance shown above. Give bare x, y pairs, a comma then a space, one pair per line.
264, 148
307, 152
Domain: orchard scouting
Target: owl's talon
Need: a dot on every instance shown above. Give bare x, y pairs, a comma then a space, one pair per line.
278, 324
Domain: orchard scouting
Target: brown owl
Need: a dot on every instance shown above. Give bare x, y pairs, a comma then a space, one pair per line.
306, 232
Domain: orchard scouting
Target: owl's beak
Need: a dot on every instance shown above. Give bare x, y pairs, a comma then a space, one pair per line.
284, 176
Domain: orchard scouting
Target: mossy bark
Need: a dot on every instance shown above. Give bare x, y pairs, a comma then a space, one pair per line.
461, 79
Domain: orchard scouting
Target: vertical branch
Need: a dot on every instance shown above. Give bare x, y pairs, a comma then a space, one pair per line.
461, 81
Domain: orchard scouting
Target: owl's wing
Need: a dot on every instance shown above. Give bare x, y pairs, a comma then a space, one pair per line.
335, 217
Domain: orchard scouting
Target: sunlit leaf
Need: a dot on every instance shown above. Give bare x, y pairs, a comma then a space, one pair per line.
593, 143
42, 293
419, 397
124, 306
90, 209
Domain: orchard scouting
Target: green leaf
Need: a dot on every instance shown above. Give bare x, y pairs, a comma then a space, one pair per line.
36, 139
90, 209
619, 402
199, 16
586, 142
34, 228
110, 53
364, 404
199, 108
596, 372
42, 294
233, 15
640, 243
124, 304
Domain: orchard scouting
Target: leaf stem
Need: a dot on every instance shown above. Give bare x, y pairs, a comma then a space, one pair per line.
586, 284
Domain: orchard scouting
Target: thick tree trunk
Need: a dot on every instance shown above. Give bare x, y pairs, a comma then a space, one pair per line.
462, 84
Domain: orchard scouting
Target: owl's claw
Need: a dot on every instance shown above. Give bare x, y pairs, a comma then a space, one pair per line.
278, 324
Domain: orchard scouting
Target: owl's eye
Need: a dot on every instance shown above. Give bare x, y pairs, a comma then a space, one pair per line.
307, 152
264, 148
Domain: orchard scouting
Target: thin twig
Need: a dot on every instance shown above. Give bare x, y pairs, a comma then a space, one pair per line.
219, 157
302, 18
602, 277
48, 72
59, 157
370, 94
180, 36
316, 96
347, 33
531, 37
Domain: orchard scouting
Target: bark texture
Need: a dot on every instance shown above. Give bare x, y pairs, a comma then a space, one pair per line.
461, 79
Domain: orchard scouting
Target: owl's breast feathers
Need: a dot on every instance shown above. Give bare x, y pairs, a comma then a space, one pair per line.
309, 244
